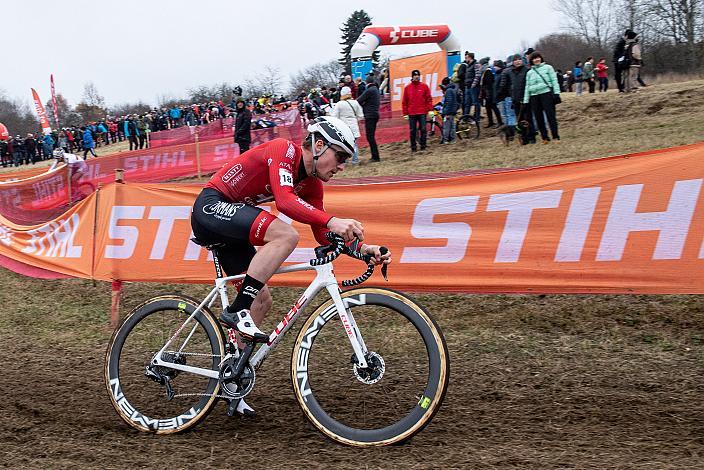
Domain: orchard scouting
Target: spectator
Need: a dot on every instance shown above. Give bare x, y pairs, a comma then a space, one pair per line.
141, 131
588, 72
4, 158
384, 82
486, 93
569, 81
560, 79
516, 76
103, 132
450, 106
175, 116
634, 61
602, 75
472, 74
578, 75
351, 84
369, 100
243, 125
541, 89
350, 112
130, 130
18, 150
416, 102
48, 143
619, 58
504, 99
361, 86
88, 142
30, 145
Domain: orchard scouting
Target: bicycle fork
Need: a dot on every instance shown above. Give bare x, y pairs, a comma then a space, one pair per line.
350, 326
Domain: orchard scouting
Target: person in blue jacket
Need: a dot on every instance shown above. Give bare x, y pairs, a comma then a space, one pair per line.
88, 142
450, 106
48, 144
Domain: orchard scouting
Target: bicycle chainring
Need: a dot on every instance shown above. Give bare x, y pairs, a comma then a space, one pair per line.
236, 386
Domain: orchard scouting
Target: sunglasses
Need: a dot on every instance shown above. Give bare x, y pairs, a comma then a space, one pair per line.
341, 156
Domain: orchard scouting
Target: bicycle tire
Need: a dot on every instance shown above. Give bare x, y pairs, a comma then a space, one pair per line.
467, 128
420, 412
122, 400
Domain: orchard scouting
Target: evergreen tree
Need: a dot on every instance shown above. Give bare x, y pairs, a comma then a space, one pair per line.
350, 32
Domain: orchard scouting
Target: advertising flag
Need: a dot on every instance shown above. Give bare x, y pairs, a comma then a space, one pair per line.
53, 101
46, 127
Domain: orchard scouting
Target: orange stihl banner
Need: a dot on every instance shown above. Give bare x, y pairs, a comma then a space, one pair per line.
629, 224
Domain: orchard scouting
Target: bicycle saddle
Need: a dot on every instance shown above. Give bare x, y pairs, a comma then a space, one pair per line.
207, 246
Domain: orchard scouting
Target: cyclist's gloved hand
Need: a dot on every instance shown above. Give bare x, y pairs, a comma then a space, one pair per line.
375, 252
348, 229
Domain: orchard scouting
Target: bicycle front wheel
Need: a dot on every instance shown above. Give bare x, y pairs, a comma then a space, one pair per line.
160, 399
399, 392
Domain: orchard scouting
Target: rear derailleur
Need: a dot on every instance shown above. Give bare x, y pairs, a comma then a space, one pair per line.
164, 375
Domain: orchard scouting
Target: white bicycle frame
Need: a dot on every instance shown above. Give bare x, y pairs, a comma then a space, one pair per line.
324, 279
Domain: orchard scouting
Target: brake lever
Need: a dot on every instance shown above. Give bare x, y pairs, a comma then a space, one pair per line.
384, 267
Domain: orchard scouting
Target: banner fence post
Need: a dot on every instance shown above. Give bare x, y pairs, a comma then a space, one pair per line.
95, 231
116, 283
116, 295
68, 185
197, 152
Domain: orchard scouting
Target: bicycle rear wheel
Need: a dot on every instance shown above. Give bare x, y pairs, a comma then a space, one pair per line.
137, 395
392, 399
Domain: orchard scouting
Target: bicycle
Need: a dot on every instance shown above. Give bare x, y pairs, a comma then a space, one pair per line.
434, 120
394, 381
467, 127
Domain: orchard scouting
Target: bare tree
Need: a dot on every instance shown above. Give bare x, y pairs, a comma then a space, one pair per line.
679, 21
91, 97
591, 20
317, 75
267, 82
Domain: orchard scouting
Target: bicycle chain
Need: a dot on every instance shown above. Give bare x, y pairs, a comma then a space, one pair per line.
181, 395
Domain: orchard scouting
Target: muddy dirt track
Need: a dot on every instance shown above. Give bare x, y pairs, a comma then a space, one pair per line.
536, 382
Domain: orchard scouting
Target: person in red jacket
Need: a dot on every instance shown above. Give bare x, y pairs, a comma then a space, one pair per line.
416, 104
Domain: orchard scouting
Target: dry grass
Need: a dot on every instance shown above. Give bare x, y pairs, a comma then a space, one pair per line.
591, 126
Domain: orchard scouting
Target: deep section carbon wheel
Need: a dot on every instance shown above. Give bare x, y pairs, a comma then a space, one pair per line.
396, 394
161, 399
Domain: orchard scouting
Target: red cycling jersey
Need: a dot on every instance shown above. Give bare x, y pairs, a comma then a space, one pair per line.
274, 170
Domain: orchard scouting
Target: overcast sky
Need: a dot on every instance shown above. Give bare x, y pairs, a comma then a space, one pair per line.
142, 49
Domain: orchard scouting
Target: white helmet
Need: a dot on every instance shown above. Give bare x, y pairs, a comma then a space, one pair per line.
334, 131
58, 153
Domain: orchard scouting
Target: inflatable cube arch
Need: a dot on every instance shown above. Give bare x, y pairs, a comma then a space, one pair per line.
374, 36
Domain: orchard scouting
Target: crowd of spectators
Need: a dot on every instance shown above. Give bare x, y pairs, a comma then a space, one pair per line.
518, 96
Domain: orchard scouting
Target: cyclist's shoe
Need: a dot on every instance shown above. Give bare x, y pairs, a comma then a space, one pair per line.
243, 323
245, 410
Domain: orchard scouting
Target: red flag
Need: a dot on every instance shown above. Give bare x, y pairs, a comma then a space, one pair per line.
4, 134
53, 101
46, 127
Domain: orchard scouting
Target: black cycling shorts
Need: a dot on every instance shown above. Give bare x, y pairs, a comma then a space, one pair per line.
240, 227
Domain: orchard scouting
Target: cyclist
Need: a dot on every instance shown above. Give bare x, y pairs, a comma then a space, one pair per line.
226, 212
77, 167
